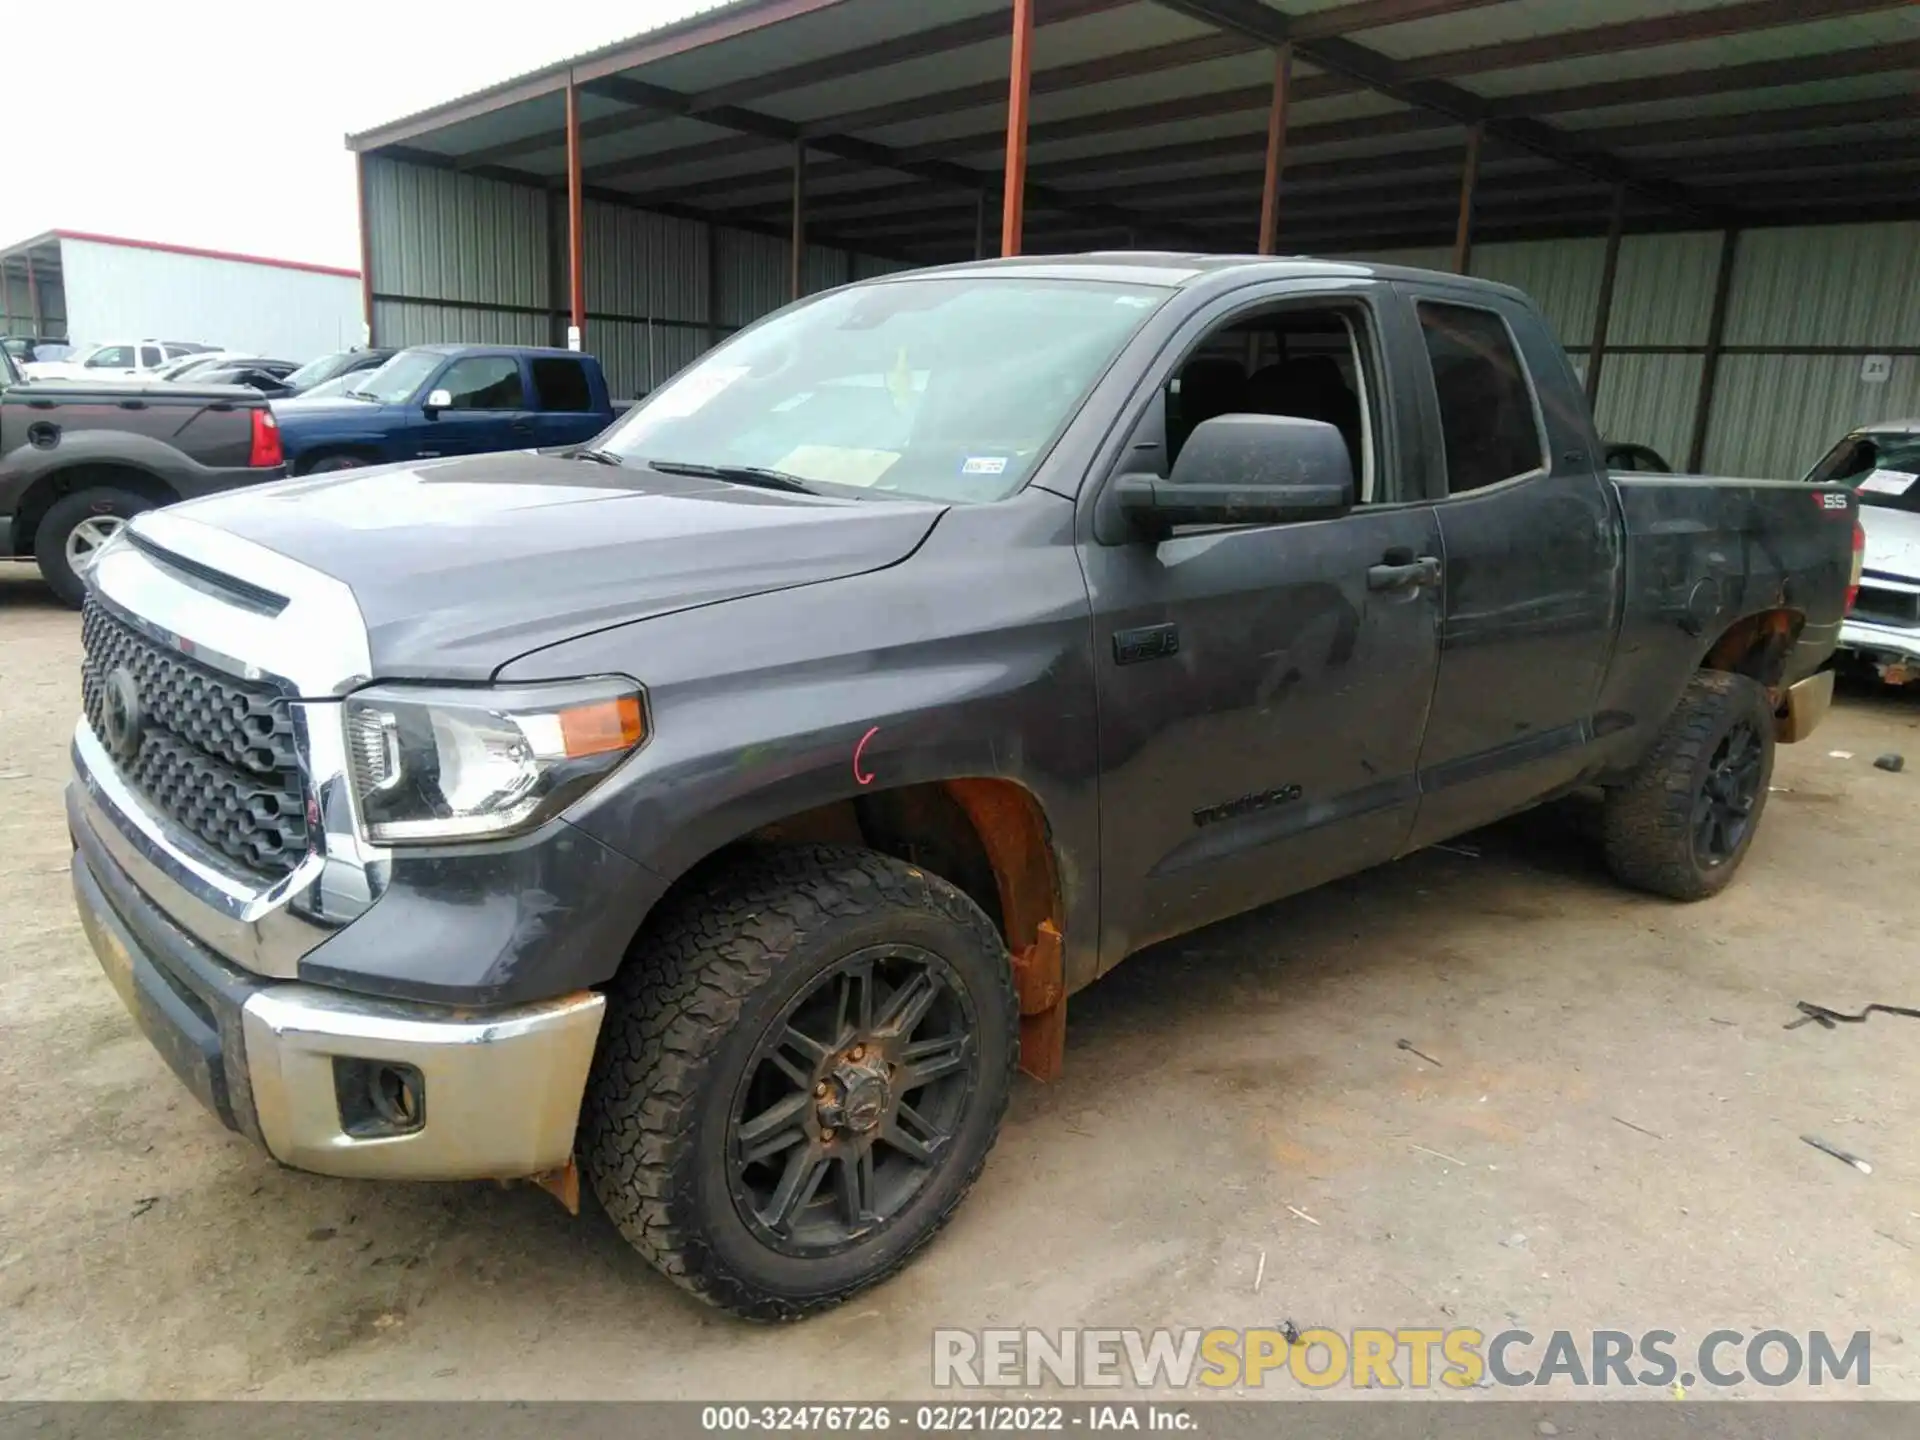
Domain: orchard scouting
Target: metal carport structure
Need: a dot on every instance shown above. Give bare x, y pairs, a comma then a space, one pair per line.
1689, 154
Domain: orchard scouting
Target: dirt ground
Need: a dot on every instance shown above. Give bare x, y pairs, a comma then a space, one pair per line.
1219, 1090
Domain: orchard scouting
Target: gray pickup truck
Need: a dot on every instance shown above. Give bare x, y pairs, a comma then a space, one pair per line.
727, 809
79, 459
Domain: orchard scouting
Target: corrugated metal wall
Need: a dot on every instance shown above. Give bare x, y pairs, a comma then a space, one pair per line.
460, 258
1779, 403
16, 304
456, 258
128, 292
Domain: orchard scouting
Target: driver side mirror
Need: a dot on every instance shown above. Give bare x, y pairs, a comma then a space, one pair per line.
1245, 470
438, 400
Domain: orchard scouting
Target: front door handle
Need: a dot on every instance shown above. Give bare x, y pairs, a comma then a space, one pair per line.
1411, 576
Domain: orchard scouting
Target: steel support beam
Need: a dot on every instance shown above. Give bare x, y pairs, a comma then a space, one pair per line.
1463, 226
1603, 312
797, 246
576, 240
1276, 149
1013, 202
1716, 344
366, 245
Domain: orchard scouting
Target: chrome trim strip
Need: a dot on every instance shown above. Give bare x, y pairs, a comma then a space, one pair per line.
319, 642
502, 1089
266, 928
235, 916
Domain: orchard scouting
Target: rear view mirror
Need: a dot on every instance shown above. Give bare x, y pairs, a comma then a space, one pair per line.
438, 400
1245, 470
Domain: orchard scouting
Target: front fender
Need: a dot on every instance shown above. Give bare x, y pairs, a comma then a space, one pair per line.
761, 706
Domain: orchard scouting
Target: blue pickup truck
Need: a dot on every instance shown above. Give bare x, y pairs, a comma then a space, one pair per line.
435, 400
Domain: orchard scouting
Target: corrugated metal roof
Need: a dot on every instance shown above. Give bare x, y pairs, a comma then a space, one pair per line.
1141, 100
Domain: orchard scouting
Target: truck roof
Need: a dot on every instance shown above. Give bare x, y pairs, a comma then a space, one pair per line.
1182, 270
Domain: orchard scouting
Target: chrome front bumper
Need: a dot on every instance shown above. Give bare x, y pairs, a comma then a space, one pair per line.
501, 1090
495, 1093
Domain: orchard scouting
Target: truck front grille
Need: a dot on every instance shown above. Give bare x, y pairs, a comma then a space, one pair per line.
215, 753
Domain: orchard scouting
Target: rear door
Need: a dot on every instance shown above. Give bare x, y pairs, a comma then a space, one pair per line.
487, 409
564, 412
1530, 527
1263, 688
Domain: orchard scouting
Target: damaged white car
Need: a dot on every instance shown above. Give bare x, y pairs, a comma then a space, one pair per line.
1882, 464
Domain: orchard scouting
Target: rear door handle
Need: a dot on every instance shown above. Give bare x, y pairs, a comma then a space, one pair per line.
1412, 576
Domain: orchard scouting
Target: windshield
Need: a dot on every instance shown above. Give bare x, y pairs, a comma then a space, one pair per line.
313, 372
397, 381
942, 389
1881, 469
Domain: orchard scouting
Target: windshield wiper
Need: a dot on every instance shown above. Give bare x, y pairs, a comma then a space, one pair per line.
361, 395
599, 457
739, 474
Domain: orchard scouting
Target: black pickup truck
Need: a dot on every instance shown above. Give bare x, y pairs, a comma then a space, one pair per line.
733, 805
78, 461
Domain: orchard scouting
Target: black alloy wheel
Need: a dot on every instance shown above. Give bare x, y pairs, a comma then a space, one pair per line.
1723, 810
851, 1100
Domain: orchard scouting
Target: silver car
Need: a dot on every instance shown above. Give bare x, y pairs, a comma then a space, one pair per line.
1882, 464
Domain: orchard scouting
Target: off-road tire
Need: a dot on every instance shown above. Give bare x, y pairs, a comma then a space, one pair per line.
62, 518
684, 1015
1647, 824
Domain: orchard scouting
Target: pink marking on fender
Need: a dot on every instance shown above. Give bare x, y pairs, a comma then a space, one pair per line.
864, 778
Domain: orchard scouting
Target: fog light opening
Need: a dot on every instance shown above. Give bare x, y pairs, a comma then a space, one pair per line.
379, 1098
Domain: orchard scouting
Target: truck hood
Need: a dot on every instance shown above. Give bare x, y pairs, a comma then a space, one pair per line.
1893, 541
462, 565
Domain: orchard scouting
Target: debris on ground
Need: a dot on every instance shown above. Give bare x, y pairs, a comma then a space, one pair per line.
1472, 852
1407, 1045
1837, 1153
1290, 1330
1296, 1210
1892, 764
1840, 754
142, 1205
1261, 1273
1812, 1014
1440, 1155
1641, 1128
1515, 1241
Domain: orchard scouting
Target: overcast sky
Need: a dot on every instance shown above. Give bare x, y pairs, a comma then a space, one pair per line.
223, 125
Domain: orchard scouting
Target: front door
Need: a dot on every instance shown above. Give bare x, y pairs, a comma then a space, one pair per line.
1263, 689
488, 410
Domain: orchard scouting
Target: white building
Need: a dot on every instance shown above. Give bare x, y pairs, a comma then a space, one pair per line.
67, 284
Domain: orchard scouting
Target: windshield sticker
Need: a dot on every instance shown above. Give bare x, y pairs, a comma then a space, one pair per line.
837, 464
693, 392
1887, 482
984, 465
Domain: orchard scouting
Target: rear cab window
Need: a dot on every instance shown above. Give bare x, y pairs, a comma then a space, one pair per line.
561, 384
1488, 418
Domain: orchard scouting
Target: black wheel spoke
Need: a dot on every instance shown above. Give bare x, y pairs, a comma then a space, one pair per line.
858, 1206
799, 1182
799, 1057
927, 1060
908, 1005
854, 1008
775, 1128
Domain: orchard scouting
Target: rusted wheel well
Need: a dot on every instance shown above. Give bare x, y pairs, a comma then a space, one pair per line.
74, 478
988, 838
1757, 646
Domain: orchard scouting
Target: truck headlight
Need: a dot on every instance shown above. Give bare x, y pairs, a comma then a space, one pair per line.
449, 763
